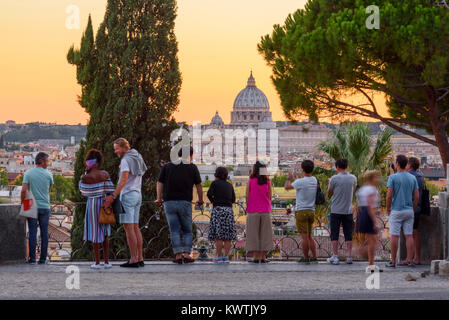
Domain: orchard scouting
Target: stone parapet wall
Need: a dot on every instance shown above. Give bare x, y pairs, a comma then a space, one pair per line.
12, 235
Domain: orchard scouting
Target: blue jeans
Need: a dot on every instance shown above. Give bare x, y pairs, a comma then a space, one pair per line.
43, 217
179, 217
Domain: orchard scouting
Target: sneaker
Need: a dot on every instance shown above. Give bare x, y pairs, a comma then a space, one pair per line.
226, 260
107, 265
303, 261
373, 268
313, 260
95, 266
333, 260
253, 261
141, 263
218, 260
348, 260
30, 262
390, 264
42, 262
411, 264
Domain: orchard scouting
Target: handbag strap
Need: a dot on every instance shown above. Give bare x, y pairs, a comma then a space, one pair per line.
104, 191
318, 185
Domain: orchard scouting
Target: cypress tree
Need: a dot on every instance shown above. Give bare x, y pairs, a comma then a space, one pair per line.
130, 80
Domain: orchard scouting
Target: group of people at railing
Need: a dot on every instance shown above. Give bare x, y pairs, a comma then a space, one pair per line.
175, 193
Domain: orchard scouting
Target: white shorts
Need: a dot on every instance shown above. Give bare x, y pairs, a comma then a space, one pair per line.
401, 219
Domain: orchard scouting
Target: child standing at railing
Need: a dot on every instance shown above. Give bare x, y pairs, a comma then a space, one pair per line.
222, 226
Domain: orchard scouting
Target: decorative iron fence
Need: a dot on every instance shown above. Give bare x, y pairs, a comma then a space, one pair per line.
287, 243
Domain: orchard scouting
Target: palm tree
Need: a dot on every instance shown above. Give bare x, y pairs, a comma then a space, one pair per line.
354, 143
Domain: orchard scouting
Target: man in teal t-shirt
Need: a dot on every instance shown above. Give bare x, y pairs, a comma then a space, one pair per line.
402, 200
39, 180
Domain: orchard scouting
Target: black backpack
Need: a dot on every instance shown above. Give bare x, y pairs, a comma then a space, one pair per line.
320, 200
425, 201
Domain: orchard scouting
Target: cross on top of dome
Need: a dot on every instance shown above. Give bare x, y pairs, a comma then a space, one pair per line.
251, 80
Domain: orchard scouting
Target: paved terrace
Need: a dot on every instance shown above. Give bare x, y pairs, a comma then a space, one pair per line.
239, 280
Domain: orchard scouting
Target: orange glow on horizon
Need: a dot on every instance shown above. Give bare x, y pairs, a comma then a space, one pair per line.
217, 49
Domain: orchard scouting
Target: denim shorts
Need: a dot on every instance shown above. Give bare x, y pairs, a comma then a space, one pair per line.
131, 202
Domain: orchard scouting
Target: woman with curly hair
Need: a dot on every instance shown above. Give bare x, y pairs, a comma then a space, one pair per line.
94, 185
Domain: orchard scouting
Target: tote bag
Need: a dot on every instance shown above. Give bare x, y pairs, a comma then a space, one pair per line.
29, 206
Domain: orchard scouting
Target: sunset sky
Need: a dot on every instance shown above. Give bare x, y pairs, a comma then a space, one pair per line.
217, 49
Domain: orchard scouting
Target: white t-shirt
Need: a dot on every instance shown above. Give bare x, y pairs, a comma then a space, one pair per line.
364, 193
134, 182
305, 193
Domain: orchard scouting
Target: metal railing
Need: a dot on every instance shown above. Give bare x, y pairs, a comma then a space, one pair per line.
286, 242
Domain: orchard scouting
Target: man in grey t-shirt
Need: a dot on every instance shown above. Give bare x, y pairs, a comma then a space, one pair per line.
132, 168
306, 189
341, 188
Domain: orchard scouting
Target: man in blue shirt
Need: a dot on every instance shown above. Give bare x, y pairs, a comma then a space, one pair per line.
402, 201
40, 180
413, 167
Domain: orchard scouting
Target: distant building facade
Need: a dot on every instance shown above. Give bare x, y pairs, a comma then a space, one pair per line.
251, 114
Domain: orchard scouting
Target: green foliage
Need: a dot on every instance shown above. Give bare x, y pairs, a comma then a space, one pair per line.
353, 142
130, 83
278, 181
433, 189
62, 189
33, 132
19, 181
323, 176
3, 178
324, 58
12, 147
207, 184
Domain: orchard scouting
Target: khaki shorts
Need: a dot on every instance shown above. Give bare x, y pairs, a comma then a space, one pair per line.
305, 220
259, 232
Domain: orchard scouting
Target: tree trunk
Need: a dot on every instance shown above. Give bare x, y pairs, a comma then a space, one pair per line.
442, 141
438, 129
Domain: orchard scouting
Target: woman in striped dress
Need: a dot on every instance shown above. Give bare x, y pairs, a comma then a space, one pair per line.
94, 185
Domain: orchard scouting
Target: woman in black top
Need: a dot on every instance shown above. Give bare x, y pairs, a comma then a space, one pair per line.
222, 226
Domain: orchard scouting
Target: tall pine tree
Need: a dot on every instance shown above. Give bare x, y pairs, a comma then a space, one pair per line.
130, 80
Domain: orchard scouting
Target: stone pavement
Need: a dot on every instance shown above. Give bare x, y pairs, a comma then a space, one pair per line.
239, 280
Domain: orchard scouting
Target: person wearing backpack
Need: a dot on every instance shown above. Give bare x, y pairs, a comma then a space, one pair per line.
306, 192
412, 168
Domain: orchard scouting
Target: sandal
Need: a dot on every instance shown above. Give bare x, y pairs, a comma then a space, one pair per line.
253, 261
